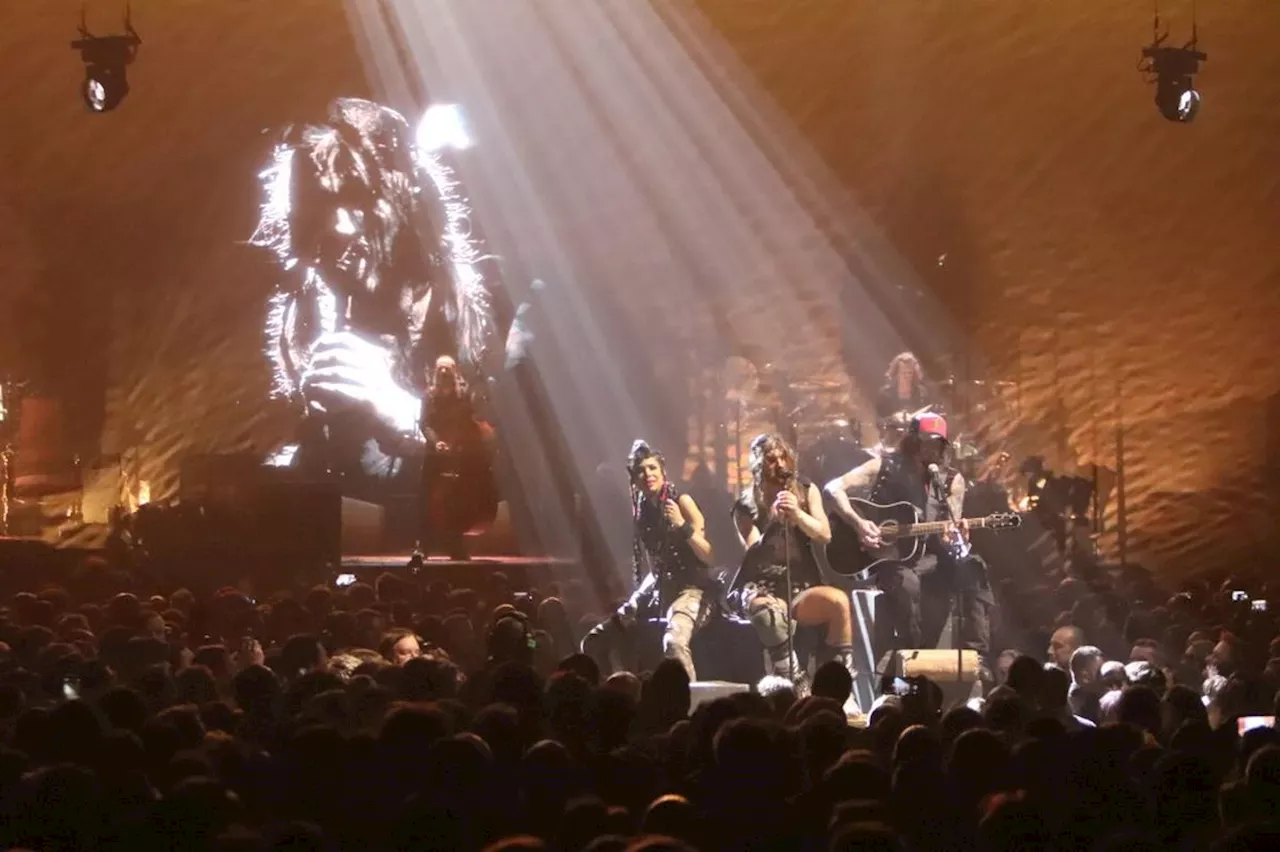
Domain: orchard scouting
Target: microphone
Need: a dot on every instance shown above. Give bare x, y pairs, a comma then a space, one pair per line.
935, 474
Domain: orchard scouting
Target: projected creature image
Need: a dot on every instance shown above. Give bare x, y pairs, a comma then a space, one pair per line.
383, 273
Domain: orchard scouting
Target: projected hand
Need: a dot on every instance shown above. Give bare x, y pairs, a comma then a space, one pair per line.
349, 371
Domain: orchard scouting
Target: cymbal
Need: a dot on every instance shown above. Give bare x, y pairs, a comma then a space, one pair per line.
817, 385
951, 383
840, 423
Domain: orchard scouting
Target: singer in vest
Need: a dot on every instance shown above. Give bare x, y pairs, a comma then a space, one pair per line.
779, 521
917, 473
669, 539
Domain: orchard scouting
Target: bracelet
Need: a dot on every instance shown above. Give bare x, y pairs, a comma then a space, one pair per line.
687, 529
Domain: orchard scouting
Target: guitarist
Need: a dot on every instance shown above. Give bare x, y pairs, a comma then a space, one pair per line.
668, 530
779, 521
917, 474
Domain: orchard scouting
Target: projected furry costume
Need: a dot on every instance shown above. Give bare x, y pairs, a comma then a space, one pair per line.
383, 274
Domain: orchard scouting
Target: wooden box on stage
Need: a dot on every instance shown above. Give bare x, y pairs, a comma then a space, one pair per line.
940, 665
954, 672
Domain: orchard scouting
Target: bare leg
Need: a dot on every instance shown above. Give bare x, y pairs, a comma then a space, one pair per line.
829, 607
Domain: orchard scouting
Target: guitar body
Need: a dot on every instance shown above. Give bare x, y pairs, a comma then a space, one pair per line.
902, 536
846, 555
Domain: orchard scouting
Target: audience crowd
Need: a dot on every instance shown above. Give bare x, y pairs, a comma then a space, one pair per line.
406, 714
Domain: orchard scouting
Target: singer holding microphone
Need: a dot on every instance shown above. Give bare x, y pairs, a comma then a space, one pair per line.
780, 520
669, 533
916, 473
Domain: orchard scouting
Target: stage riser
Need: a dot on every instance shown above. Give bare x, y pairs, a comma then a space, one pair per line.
521, 573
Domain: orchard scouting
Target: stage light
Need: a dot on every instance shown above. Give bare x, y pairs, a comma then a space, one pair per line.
1173, 71
106, 82
442, 126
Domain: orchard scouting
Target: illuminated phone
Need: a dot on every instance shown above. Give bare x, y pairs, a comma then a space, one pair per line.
1259, 606
1239, 595
344, 580
71, 688
1248, 723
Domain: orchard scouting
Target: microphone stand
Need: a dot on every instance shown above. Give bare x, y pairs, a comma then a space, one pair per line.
786, 563
957, 637
791, 631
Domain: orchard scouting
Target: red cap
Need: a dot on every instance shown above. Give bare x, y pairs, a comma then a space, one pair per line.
931, 424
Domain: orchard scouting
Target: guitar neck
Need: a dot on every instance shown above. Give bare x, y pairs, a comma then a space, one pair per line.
939, 527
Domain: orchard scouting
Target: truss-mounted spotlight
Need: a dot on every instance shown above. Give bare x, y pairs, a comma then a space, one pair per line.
1173, 71
105, 60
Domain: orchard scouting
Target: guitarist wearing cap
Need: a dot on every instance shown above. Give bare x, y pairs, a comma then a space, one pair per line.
917, 474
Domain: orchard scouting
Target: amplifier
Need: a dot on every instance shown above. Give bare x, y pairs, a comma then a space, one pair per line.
222, 478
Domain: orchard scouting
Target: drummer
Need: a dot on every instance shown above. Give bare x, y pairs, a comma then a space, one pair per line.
904, 389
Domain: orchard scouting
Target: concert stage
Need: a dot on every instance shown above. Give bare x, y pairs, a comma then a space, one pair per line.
520, 570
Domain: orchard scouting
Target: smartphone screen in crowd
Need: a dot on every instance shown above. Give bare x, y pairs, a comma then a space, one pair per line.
1248, 723
344, 580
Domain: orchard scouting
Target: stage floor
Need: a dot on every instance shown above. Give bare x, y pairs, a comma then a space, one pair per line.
521, 570
392, 561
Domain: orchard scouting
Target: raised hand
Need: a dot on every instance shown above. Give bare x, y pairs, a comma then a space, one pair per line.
348, 370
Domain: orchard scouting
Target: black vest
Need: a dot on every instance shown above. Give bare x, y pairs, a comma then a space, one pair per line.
897, 483
671, 557
776, 544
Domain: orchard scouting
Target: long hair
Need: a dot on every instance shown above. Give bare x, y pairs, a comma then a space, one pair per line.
901, 361
761, 446
641, 451
391, 225
460, 386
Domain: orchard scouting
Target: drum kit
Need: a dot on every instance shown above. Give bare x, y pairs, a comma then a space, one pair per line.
816, 415
830, 442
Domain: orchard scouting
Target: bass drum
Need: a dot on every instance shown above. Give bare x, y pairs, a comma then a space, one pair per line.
831, 455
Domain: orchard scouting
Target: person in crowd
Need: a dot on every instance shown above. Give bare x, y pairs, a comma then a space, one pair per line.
1085, 668
134, 714
1063, 644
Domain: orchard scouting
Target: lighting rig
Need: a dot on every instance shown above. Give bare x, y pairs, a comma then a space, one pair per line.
1173, 70
106, 58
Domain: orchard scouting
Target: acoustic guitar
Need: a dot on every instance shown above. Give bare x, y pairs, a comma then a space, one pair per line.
902, 536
